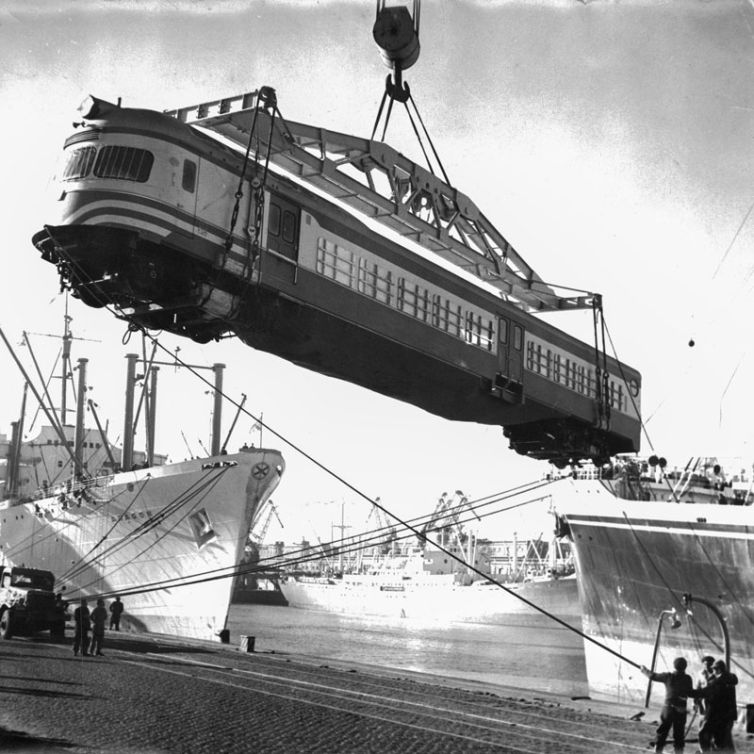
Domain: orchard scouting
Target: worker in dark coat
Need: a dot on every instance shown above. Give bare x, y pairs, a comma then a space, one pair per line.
98, 618
721, 710
678, 688
116, 609
81, 632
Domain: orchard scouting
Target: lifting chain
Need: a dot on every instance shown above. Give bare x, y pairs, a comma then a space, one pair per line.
602, 376
266, 99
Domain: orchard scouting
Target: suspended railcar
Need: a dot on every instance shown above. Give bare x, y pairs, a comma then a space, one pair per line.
144, 224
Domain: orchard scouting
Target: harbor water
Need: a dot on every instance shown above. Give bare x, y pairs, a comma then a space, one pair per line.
535, 654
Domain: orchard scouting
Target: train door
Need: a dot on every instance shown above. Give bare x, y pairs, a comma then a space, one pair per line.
283, 222
516, 355
510, 351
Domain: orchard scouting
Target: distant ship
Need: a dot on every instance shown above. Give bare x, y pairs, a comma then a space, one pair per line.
406, 590
167, 538
665, 567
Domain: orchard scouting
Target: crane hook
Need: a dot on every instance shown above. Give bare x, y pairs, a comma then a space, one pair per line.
397, 35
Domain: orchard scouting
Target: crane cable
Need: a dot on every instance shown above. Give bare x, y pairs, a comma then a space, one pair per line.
134, 327
266, 97
303, 555
197, 498
143, 528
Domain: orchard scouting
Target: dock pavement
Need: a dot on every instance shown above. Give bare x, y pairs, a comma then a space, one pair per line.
151, 695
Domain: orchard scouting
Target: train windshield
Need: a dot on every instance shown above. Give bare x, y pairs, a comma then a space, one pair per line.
124, 163
79, 163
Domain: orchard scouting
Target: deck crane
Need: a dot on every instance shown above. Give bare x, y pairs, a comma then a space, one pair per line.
387, 532
446, 518
258, 530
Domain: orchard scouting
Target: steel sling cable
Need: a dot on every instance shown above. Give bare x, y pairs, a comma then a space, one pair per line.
107, 533
139, 531
165, 533
450, 554
366, 497
239, 569
53, 532
306, 555
142, 528
145, 527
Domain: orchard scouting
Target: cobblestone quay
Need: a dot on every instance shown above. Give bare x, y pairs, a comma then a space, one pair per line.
149, 694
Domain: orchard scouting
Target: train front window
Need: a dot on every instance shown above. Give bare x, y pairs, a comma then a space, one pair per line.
79, 163
126, 163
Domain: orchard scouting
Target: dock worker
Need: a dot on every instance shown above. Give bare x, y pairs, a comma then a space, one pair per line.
116, 610
678, 688
98, 617
81, 632
721, 710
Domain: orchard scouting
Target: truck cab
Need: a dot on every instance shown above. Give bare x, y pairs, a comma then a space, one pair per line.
28, 603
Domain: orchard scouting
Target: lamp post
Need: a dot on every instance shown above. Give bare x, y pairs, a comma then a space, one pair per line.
675, 623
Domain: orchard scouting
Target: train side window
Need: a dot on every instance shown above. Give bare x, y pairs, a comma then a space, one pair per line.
401, 294
503, 330
490, 344
289, 227
556, 368
79, 163
126, 163
436, 304
517, 337
274, 220
189, 176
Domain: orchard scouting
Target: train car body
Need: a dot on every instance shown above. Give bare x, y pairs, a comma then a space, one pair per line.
144, 221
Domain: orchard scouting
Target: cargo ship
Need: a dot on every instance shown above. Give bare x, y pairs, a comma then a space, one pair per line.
665, 567
165, 537
430, 597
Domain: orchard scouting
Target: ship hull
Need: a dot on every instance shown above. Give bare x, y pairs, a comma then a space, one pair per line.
635, 561
434, 598
165, 538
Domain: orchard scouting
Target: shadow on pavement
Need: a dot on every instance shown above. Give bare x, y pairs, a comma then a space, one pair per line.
40, 692
14, 740
33, 678
143, 646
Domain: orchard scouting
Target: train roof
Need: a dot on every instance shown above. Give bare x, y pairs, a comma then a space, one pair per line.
99, 114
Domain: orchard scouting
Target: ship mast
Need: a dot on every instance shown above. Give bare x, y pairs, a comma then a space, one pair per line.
149, 396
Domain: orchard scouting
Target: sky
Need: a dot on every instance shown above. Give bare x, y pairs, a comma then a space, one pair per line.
610, 142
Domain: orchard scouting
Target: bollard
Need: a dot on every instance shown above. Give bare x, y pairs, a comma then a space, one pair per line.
224, 636
750, 718
247, 643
